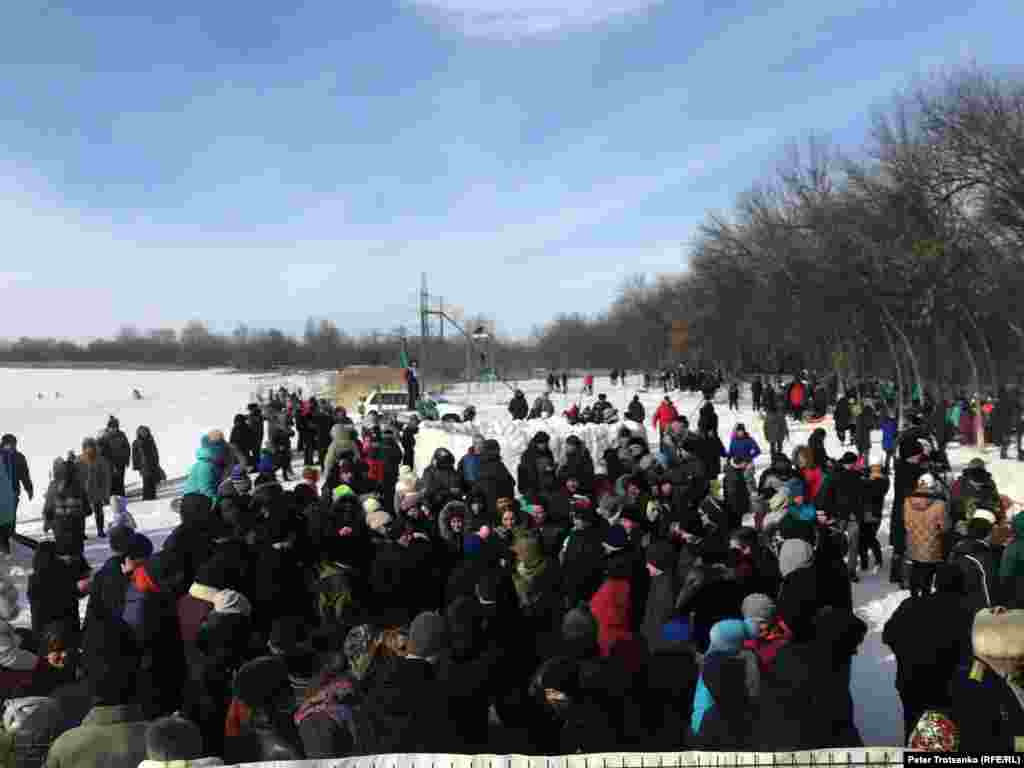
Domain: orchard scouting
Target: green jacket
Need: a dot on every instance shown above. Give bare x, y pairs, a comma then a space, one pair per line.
109, 737
1011, 570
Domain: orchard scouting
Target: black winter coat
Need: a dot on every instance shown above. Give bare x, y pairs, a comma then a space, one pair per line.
848, 496
407, 712
931, 637
979, 564
65, 709
145, 456
53, 590
495, 482
118, 448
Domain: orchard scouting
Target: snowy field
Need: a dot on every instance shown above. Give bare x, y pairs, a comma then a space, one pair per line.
179, 407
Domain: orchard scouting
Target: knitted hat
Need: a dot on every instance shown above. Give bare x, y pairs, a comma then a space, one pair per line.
343, 490
428, 635
615, 539
759, 607
848, 458
138, 546
370, 505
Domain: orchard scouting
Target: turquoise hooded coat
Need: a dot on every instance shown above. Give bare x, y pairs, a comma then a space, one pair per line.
208, 471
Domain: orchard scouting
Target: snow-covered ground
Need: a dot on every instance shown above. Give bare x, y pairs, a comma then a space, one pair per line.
181, 406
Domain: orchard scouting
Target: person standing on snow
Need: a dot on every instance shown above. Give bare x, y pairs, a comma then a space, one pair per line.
16, 467
118, 451
734, 396
665, 415
518, 407
208, 471
635, 411
756, 390
146, 461
98, 481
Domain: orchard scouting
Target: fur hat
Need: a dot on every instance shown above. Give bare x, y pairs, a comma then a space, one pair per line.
428, 635
759, 607
998, 639
927, 483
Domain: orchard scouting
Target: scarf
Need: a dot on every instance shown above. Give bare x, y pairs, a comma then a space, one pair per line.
329, 700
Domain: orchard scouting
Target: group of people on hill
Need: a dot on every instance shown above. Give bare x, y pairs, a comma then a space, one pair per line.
658, 597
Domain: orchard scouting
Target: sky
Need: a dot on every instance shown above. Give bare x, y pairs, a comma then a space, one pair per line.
165, 162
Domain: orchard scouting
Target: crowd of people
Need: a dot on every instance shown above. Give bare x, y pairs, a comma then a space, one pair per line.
658, 597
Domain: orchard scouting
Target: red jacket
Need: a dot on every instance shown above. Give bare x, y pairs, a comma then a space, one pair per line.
612, 607
768, 644
665, 415
814, 479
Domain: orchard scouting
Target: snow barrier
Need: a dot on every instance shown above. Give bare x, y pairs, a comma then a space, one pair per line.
515, 436
837, 758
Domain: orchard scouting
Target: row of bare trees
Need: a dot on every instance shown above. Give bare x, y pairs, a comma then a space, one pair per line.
906, 260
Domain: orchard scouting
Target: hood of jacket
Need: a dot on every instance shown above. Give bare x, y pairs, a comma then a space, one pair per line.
210, 450
794, 555
444, 519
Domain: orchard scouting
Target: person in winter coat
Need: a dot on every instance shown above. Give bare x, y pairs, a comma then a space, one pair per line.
722, 707
930, 636
528, 473
662, 560
776, 430
409, 433
18, 667
469, 465
343, 444
537, 580
974, 489
146, 461
927, 522
518, 407
911, 463
59, 581
119, 449
978, 562
406, 709
770, 634
799, 600
495, 481
242, 438
842, 418
665, 415
876, 488
66, 504
543, 408
611, 605
635, 410
742, 446
265, 732
708, 422
114, 732
176, 741
97, 476
440, 480
208, 471
847, 506
864, 424
890, 427
16, 467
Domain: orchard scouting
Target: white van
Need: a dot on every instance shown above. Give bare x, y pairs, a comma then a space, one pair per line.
383, 403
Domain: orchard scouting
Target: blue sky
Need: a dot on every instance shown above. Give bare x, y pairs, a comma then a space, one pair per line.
223, 162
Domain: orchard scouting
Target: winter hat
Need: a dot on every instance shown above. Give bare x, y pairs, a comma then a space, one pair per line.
261, 681
848, 458
758, 607
265, 465
173, 741
662, 555
138, 547
998, 638
794, 555
579, 625
378, 521
219, 572
795, 487
311, 474
976, 464
615, 539
728, 636
119, 537
370, 505
926, 483
984, 514
230, 601
342, 491
428, 635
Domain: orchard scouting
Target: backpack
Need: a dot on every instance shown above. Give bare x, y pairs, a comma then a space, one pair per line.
336, 598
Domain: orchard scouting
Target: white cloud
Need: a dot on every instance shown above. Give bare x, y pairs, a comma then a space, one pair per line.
515, 19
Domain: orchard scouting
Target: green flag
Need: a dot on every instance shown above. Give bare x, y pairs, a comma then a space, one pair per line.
403, 359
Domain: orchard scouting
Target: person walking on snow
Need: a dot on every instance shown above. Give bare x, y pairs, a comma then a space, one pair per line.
146, 461
118, 451
98, 481
16, 466
665, 415
412, 383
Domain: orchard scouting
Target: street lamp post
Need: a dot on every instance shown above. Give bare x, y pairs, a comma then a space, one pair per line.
482, 336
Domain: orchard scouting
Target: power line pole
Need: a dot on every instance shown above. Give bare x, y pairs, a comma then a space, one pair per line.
424, 317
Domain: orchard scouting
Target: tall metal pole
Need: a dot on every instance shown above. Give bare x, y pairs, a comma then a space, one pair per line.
424, 319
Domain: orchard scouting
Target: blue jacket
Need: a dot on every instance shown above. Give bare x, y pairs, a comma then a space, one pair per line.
744, 448
8, 499
808, 513
469, 469
206, 473
889, 429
